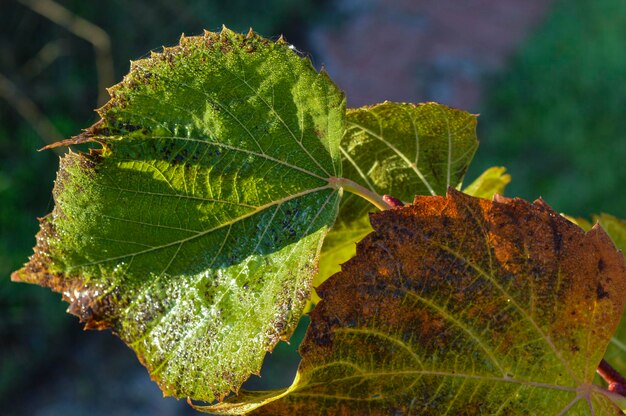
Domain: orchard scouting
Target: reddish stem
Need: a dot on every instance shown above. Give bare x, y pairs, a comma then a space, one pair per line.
617, 383
392, 201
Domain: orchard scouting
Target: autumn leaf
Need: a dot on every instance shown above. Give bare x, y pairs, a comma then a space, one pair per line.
616, 352
194, 232
616, 229
401, 150
460, 305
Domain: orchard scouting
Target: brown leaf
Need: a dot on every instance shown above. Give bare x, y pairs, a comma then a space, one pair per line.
460, 305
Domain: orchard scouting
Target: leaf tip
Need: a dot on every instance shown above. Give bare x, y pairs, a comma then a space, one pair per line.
84, 137
501, 199
250, 33
323, 72
540, 202
54, 145
281, 40
17, 277
598, 232
226, 31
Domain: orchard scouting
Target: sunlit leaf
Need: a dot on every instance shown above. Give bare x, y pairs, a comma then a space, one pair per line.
490, 182
460, 305
339, 247
194, 232
400, 150
246, 401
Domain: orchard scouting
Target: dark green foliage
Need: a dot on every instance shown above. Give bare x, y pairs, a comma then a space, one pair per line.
556, 118
20, 171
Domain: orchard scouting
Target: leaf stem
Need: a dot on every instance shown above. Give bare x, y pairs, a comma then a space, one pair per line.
355, 188
393, 201
617, 383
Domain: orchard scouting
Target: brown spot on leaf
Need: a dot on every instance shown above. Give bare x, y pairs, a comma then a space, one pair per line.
600, 292
92, 305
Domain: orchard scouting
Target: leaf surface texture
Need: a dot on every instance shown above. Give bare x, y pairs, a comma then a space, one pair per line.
460, 305
401, 150
195, 231
616, 229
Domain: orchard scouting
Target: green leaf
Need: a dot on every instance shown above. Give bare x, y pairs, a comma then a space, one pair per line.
195, 231
489, 183
401, 150
246, 401
460, 305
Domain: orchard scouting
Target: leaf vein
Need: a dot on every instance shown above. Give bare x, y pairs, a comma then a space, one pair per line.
521, 310
410, 164
202, 233
441, 311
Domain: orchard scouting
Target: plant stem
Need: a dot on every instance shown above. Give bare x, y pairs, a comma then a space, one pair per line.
359, 190
392, 201
617, 383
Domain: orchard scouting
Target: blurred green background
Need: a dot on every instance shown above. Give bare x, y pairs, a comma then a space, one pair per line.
547, 77
556, 117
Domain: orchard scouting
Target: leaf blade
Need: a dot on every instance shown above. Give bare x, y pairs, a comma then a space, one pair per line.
463, 305
616, 229
195, 231
401, 150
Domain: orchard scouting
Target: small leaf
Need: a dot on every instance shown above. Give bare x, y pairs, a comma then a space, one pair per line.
460, 305
489, 183
194, 232
401, 150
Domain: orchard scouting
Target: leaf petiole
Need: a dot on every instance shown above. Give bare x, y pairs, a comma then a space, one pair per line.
359, 190
617, 383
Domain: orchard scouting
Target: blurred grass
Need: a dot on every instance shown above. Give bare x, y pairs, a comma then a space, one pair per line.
557, 117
